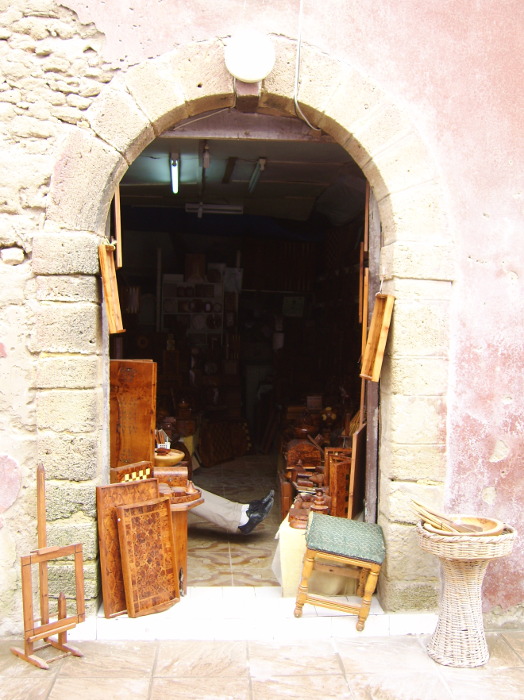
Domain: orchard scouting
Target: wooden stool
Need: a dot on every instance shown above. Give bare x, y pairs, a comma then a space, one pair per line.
343, 547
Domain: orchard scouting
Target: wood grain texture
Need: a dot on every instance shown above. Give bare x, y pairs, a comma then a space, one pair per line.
357, 477
132, 404
108, 498
148, 556
377, 337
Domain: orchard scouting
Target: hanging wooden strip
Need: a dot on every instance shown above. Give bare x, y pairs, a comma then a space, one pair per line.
377, 337
118, 229
107, 499
148, 555
109, 283
357, 477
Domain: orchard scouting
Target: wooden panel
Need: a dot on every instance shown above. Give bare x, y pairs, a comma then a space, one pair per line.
339, 485
377, 337
131, 472
108, 498
132, 411
329, 453
357, 477
110, 286
148, 556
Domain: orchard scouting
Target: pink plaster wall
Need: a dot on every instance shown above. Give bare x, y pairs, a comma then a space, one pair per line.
456, 67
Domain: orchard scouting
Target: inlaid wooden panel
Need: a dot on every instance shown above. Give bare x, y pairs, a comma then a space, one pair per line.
148, 556
132, 403
108, 498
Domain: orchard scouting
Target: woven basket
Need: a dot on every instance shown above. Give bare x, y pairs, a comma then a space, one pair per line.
465, 546
459, 638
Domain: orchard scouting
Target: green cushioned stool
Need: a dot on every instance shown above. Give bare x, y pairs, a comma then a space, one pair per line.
343, 547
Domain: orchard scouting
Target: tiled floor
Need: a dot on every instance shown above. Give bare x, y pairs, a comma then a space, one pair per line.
216, 558
367, 668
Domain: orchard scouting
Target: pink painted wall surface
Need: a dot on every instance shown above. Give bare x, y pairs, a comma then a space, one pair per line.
456, 67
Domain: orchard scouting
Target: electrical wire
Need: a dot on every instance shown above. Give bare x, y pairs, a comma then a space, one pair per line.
298, 111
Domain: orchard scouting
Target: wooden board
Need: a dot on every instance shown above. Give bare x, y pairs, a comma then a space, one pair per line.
329, 453
107, 499
377, 337
357, 477
110, 286
132, 411
339, 485
149, 561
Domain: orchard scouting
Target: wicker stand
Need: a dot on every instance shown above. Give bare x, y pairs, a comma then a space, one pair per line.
459, 638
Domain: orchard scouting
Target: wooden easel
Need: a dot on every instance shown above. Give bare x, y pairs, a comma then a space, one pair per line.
34, 632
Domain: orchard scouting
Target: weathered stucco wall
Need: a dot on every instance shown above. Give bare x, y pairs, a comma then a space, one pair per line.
380, 74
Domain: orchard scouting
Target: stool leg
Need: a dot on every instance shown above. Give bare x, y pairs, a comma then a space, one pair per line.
371, 584
309, 561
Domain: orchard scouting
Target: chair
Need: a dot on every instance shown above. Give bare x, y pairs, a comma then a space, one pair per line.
343, 547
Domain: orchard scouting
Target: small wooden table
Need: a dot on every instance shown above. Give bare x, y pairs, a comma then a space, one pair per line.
179, 517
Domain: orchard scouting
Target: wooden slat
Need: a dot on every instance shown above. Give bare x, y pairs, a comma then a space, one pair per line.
110, 286
108, 498
147, 550
118, 229
42, 542
357, 477
377, 337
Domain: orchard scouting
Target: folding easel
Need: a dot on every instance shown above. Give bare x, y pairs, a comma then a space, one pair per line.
34, 632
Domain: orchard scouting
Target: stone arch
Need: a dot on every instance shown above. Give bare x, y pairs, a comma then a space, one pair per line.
415, 254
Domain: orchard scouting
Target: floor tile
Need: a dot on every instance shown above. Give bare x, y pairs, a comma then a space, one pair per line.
116, 688
34, 688
210, 688
501, 655
12, 666
372, 654
327, 687
305, 658
202, 659
515, 640
394, 685
496, 684
125, 659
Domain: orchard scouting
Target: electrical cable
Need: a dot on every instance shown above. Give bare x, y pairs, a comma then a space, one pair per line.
298, 111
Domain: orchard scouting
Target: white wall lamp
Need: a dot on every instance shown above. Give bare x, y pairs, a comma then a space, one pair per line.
250, 56
174, 162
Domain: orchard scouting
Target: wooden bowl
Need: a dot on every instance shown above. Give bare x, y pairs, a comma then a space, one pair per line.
170, 459
490, 526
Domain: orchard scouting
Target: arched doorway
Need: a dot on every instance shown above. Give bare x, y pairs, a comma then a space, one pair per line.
415, 261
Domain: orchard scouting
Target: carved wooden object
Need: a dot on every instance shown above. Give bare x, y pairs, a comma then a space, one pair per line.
108, 498
148, 556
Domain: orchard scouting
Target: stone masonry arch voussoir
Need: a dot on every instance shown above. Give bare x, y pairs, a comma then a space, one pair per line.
416, 260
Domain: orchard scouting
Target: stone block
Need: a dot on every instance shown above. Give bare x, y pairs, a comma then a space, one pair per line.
415, 376
417, 290
68, 288
405, 163
382, 125
71, 410
405, 560
155, 87
279, 84
407, 596
67, 455
349, 108
203, 76
65, 499
62, 327
78, 372
13, 279
417, 261
12, 256
415, 214
413, 462
83, 183
395, 498
130, 133
415, 420
62, 580
419, 329
65, 253
64, 533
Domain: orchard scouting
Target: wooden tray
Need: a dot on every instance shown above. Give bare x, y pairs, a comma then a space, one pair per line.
377, 337
148, 556
108, 498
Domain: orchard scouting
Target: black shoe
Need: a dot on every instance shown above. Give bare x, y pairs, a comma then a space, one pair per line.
261, 505
258, 513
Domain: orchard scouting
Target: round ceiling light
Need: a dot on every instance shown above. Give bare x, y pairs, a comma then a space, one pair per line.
250, 56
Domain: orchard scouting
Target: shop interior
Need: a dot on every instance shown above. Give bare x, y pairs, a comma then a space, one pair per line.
242, 265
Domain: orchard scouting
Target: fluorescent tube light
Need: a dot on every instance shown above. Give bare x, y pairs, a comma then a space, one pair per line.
175, 172
200, 208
